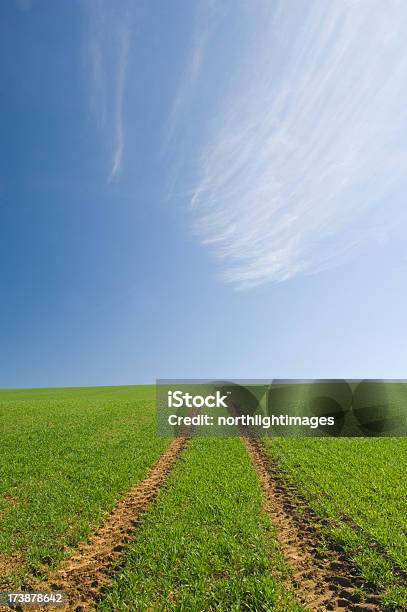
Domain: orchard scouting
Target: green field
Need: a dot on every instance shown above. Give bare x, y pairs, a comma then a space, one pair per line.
359, 485
68, 456
206, 545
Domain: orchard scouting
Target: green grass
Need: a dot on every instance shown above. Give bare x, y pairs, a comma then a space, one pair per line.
67, 456
206, 544
359, 485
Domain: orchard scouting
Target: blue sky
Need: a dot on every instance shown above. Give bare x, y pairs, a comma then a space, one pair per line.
202, 189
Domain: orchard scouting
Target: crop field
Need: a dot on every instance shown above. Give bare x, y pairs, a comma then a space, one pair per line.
359, 487
206, 545
67, 456
93, 502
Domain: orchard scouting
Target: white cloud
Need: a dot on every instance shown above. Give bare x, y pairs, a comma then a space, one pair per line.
311, 138
207, 16
119, 94
186, 88
107, 46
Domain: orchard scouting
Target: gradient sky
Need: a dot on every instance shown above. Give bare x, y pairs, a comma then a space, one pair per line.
208, 189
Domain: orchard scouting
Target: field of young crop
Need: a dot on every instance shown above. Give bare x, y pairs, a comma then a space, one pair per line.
359, 486
67, 456
91, 497
206, 545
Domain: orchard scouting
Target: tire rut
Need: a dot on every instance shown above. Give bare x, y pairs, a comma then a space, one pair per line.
322, 580
86, 574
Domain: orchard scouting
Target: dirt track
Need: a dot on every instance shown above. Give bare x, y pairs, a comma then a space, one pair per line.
321, 581
86, 573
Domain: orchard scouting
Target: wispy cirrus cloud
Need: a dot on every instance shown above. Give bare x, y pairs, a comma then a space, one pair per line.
311, 138
185, 90
121, 80
206, 20
107, 45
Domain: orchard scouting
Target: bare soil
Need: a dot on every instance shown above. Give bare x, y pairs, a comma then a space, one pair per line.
87, 572
323, 578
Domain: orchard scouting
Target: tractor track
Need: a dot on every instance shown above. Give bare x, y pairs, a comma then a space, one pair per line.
87, 573
323, 580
